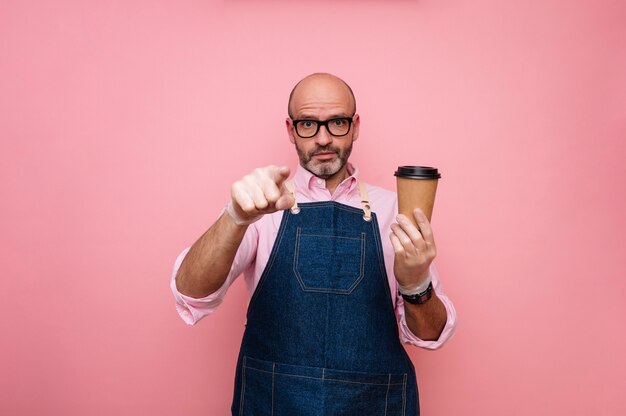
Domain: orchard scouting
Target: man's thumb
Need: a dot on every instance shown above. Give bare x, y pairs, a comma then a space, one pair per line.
285, 201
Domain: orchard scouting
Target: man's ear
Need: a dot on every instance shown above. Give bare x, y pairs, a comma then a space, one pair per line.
290, 132
356, 124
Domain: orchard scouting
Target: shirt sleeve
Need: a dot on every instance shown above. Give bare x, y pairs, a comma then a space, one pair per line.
405, 333
190, 309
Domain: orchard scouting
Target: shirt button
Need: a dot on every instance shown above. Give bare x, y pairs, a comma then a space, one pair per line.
320, 181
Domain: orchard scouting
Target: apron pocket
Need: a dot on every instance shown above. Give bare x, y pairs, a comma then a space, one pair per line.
328, 262
277, 389
366, 397
256, 391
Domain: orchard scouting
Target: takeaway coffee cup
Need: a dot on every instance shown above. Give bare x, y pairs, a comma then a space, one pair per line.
417, 186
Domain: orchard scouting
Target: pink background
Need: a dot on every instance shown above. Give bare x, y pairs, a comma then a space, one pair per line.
123, 123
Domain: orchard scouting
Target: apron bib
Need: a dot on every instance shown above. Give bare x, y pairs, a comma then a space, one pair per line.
321, 336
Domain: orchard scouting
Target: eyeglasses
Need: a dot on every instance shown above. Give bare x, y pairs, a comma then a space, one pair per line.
335, 126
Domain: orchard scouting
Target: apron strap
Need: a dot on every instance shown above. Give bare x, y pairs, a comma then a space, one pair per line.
365, 202
294, 208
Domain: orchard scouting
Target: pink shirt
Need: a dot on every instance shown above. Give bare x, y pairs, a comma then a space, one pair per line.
255, 249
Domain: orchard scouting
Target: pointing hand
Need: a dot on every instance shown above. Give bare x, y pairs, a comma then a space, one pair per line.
259, 192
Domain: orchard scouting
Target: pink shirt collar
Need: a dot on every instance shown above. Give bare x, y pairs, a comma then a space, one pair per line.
306, 182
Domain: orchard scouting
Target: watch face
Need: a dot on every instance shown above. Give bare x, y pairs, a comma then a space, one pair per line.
419, 298
424, 297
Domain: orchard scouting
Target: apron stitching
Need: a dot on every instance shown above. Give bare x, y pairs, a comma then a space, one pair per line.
313, 205
361, 382
272, 259
285, 374
378, 250
305, 288
273, 368
333, 291
387, 394
296, 255
404, 396
362, 256
362, 267
279, 240
243, 387
335, 236
381, 265
325, 378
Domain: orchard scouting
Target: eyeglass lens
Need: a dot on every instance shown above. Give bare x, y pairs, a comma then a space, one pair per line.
336, 127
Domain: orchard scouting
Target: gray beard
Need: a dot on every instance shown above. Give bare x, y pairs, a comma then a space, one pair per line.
324, 170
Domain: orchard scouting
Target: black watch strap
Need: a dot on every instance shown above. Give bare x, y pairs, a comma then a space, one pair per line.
419, 298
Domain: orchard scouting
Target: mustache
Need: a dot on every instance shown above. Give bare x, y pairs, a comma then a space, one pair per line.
323, 149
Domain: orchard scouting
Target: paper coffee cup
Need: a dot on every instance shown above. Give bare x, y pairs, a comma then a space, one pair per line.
417, 186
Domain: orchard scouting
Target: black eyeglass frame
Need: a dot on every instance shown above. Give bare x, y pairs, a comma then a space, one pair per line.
323, 123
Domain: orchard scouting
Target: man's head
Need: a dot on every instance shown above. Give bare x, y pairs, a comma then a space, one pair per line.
322, 97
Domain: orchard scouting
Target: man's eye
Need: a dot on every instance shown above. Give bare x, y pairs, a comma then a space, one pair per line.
308, 124
339, 122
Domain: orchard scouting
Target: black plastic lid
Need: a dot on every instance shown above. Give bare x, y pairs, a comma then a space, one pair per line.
417, 172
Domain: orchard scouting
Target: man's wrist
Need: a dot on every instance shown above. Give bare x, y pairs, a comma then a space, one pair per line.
237, 219
420, 297
415, 289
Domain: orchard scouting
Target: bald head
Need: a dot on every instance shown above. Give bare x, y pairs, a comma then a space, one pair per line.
319, 81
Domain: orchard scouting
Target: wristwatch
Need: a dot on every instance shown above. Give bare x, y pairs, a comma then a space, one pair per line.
419, 298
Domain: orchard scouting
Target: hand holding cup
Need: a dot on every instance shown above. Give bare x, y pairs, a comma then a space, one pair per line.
414, 248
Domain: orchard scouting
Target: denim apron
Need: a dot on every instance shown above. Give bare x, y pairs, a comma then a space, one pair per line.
321, 336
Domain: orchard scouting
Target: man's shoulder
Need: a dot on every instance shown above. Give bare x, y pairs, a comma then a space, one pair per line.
383, 201
380, 193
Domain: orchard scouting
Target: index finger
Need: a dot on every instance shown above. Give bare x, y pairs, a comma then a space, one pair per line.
278, 174
272, 184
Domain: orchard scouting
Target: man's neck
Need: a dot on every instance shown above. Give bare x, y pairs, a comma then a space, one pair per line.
333, 182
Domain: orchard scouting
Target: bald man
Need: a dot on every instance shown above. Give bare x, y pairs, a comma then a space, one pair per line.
331, 299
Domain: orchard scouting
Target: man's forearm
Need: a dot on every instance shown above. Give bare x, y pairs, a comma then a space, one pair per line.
208, 262
426, 321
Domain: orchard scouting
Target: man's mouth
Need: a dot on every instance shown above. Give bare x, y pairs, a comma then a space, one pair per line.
325, 154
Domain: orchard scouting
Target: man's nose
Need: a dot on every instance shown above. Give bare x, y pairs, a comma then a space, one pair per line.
323, 137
